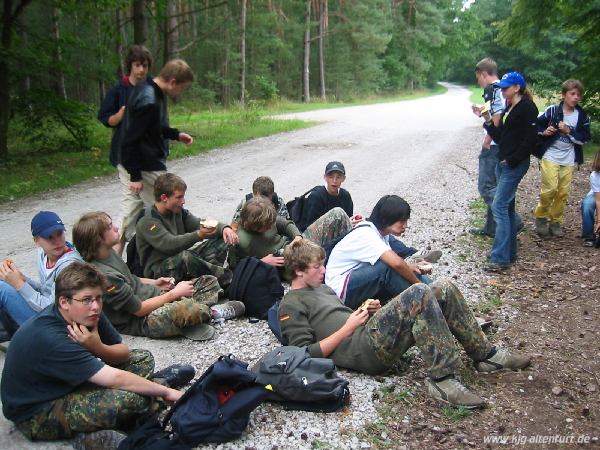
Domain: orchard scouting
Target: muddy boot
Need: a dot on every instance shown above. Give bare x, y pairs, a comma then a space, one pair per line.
555, 229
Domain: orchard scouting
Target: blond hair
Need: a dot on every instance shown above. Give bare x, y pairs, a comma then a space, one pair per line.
301, 254
178, 70
257, 213
87, 234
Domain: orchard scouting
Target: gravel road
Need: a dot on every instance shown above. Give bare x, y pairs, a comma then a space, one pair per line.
424, 150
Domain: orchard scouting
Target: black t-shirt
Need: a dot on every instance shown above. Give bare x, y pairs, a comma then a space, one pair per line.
43, 364
319, 202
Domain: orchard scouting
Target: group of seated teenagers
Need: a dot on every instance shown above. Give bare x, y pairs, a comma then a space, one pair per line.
67, 371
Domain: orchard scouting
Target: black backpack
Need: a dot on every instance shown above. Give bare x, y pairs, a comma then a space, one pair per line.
300, 382
217, 407
257, 285
149, 434
295, 207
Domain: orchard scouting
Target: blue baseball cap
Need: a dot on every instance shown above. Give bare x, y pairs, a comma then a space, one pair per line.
45, 223
335, 166
512, 78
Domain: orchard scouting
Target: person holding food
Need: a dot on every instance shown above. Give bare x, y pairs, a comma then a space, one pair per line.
22, 297
173, 243
364, 265
373, 338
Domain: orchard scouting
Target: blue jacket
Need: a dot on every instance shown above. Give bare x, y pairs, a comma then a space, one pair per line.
579, 135
115, 98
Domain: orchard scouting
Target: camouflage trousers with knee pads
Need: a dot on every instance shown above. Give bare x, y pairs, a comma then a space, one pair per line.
90, 408
171, 318
204, 258
430, 317
332, 224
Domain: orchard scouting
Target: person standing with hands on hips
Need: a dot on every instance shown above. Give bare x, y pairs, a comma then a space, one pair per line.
516, 136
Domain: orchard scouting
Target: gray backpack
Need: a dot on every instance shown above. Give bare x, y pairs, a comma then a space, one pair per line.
300, 382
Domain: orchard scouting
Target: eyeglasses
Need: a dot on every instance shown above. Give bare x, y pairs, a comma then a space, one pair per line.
87, 301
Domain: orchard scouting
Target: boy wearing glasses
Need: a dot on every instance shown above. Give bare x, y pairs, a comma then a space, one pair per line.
20, 296
67, 370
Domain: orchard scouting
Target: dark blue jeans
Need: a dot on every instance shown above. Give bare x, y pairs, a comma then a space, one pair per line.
486, 185
402, 250
378, 281
504, 249
588, 216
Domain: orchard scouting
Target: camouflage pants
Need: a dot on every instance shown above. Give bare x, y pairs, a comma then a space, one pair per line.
204, 258
329, 226
428, 316
171, 318
91, 408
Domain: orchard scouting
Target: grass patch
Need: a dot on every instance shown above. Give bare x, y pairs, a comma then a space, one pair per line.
490, 302
455, 413
30, 171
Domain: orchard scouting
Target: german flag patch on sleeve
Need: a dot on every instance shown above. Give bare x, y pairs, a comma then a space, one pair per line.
284, 317
153, 227
111, 288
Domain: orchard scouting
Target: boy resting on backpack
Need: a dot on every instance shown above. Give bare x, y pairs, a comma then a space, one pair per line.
263, 234
144, 306
67, 370
262, 187
373, 338
566, 127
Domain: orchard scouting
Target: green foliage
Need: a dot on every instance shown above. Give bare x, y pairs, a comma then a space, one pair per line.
455, 413
490, 302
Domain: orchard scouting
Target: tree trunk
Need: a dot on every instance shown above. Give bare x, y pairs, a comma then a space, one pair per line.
59, 76
171, 31
140, 28
120, 42
225, 86
9, 18
322, 31
306, 70
243, 52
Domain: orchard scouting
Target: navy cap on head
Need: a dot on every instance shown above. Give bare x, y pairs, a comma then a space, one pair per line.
335, 166
512, 78
45, 223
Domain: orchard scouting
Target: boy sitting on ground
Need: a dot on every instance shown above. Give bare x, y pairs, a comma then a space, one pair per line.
144, 306
67, 370
173, 243
262, 187
263, 234
20, 296
373, 338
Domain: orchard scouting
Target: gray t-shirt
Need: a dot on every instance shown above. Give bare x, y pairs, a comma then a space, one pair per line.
562, 150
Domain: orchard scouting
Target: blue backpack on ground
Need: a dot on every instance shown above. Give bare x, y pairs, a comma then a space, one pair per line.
216, 408
273, 322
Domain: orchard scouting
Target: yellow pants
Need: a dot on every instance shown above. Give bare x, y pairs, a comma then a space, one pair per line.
554, 191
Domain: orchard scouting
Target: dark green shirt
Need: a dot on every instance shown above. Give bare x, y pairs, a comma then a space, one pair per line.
307, 316
260, 245
161, 236
124, 295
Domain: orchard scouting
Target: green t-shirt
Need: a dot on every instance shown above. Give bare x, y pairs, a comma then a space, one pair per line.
124, 295
307, 316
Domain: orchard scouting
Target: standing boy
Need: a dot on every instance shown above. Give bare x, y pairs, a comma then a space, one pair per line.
486, 72
146, 135
565, 127
112, 111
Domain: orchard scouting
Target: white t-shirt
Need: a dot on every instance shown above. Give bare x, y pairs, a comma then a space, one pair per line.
360, 247
594, 181
562, 150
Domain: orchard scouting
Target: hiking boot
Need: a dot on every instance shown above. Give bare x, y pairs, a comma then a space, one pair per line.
431, 256
228, 310
542, 227
555, 229
451, 391
588, 242
176, 375
496, 267
501, 360
98, 440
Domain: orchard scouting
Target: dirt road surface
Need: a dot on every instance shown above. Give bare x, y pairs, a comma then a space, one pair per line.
424, 150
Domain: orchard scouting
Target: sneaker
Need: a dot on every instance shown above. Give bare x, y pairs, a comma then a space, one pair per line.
431, 256
496, 267
588, 243
503, 360
451, 391
542, 227
176, 375
98, 440
555, 229
228, 310
479, 232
